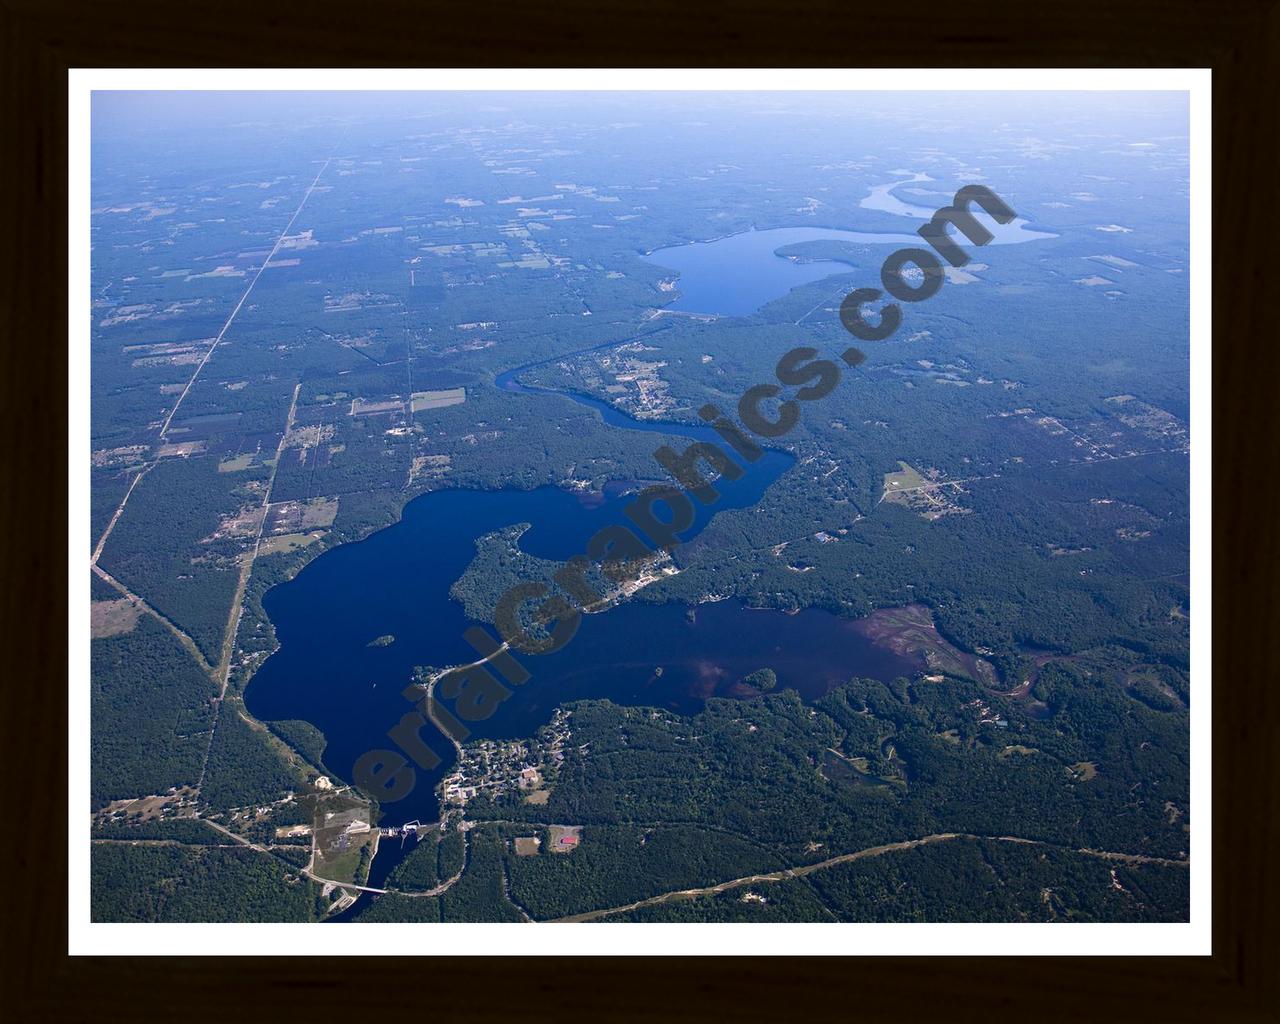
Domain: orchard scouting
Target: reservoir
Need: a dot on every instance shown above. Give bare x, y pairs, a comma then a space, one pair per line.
736, 275
396, 583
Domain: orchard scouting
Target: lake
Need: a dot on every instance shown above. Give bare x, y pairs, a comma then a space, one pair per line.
737, 274
396, 582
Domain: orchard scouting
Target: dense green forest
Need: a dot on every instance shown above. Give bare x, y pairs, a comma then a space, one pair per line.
185, 565
670, 802
303, 737
187, 831
616, 864
244, 768
965, 880
150, 714
184, 883
433, 859
478, 895
395, 909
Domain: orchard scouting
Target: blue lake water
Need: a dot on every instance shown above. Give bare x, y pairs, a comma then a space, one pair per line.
737, 274
397, 582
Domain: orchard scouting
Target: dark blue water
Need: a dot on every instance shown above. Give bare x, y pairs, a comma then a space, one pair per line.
667, 656
397, 582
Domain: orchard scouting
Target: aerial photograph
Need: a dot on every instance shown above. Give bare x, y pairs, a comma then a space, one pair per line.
639, 506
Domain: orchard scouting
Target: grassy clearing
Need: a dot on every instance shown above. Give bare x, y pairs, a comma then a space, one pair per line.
905, 479
112, 618
343, 839
1083, 770
365, 406
287, 542
430, 466
319, 512
928, 495
235, 465
438, 399
181, 450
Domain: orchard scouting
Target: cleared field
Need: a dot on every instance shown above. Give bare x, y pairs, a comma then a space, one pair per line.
905, 479
1083, 770
287, 542
182, 450
302, 516
1144, 683
236, 464
147, 808
341, 831
111, 618
362, 406
531, 262
308, 437
430, 466
930, 496
438, 399
346, 860
319, 512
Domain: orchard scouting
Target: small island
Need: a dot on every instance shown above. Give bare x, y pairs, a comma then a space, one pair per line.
386, 640
762, 679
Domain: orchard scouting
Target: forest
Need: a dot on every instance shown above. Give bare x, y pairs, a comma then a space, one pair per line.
186, 883
965, 880
243, 768
150, 713
670, 802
